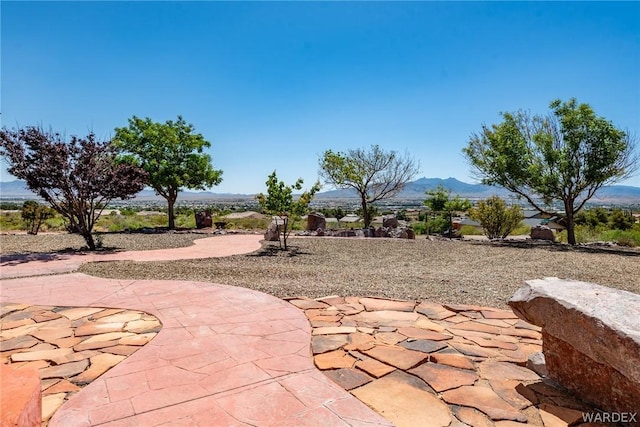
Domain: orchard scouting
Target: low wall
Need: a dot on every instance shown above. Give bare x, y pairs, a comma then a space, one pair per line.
591, 340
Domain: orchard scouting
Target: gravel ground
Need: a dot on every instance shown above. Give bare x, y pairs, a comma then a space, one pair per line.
22, 243
441, 270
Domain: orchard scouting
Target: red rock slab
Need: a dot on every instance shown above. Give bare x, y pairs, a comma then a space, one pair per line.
397, 356
434, 311
473, 350
326, 343
374, 368
350, 309
455, 360
491, 343
334, 330
420, 333
389, 338
332, 300
508, 390
359, 341
443, 377
306, 304
523, 333
348, 378
425, 346
18, 343
405, 401
498, 314
478, 327
565, 415
485, 400
471, 417
377, 304
62, 386
466, 307
334, 360
386, 318
492, 370
21, 397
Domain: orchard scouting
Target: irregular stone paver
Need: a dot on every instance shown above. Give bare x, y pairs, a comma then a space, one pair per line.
483, 399
325, 343
397, 356
377, 304
401, 399
443, 377
425, 346
479, 364
348, 378
334, 360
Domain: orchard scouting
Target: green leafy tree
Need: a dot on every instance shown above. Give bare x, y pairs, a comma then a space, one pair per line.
171, 153
35, 214
281, 203
496, 218
440, 202
374, 174
566, 156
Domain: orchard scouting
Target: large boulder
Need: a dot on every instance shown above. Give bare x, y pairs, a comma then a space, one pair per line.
273, 232
316, 221
203, 219
390, 221
591, 338
542, 232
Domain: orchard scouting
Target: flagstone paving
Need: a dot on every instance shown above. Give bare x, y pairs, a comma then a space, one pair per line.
153, 352
452, 365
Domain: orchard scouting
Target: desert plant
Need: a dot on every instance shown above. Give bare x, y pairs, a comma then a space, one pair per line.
35, 214
497, 220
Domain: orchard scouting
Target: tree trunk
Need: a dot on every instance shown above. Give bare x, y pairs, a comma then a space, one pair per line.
284, 232
88, 237
171, 200
571, 226
365, 213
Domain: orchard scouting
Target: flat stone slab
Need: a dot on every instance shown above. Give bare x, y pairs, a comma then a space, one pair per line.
443, 377
485, 400
411, 403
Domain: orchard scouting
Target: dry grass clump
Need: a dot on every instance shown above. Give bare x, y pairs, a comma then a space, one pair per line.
443, 271
57, 242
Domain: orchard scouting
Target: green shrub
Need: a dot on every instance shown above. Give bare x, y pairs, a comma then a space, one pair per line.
521, 229
419, 227
470, 230
498, 220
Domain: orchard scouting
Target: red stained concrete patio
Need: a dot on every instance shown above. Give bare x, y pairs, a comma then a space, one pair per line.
225, 355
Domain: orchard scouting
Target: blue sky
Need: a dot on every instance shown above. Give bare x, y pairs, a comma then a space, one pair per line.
272, 85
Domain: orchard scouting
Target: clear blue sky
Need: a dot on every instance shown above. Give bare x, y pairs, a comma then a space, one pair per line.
272, 85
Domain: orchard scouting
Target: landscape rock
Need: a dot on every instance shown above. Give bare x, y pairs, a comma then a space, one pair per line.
316, 221
591, 338
203, 219
537, 364
542, 232
273, 232
390, 221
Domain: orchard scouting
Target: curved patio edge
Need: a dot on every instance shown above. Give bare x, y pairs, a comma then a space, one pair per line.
57, 263
224, 356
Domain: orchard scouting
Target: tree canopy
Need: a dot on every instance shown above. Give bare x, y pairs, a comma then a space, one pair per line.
171, 153
280, 202
496, 218
564, 156
439, 201
77, 178
375, 174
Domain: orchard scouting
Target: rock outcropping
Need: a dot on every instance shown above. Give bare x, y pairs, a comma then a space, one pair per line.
591, 338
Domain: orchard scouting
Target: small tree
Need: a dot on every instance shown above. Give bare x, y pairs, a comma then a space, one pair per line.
374, 174
77, 178
34, 214
280, 202
620, 220
171, 153
567, 156
496, 218
439, 200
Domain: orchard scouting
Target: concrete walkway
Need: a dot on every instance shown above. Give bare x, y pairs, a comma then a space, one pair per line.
224, 356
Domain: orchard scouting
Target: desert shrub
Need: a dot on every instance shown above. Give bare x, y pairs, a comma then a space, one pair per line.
438, 225
497, 220
34, 214
620, 220
11, 221
419, 227
470, 230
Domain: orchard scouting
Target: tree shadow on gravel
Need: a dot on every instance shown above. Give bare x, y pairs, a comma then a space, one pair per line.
275, 251
561, 247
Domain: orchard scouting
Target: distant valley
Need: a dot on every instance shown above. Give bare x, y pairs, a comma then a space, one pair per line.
414, 190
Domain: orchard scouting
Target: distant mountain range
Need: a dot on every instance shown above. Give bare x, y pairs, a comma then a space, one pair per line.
614, 194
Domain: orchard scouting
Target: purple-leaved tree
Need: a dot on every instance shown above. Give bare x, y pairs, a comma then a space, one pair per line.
78, 178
